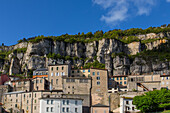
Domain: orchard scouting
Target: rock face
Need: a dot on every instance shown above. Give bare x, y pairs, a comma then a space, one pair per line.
36, 55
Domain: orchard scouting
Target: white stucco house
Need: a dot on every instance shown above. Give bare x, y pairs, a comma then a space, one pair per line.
126, 104
60, 105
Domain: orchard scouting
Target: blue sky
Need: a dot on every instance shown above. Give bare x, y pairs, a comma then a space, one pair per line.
27, 18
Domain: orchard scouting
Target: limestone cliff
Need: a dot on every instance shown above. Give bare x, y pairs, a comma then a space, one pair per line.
80, 53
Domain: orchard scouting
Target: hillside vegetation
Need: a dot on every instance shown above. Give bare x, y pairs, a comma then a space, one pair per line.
125, 36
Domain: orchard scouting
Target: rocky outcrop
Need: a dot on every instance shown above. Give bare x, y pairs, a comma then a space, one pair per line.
36, 55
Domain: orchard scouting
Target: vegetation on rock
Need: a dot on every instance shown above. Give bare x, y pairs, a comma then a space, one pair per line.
125, 36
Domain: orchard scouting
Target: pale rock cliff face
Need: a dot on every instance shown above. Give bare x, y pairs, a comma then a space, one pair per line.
154, 44
121, 65
36, 55
134, 48
108, 46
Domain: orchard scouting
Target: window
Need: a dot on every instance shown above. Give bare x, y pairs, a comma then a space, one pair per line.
120, 78
27, 101
56, 81
98, 78
16, 105
93, 73
98, 73
162, 78
30, 95
67, 102
34, 107
35, 101
51, 81
98, 83
40, 81
124, 82
35, 95
95, 111
88, 70
62, 68
121, 83
104, 111
113, 78
48, 101
76, 102
83, 71
52, 109
37, 81
16, 95
47, 109
52, 69
75, 109
63, 102
133, 108
72, 71
78, 71
16, 100
51, 74
127, 102
57, 68
67, 110
63, 109
27, 107
117, 78
24, 95
167, 78
51, 101
57, 74
124, 78
62, 73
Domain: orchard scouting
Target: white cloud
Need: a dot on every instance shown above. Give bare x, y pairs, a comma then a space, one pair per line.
120, 10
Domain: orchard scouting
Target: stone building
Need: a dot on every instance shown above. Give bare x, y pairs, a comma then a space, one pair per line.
40, 84
56, 72
99, 108
22, 85
99, 86
80, 73
26, 102
76, 85
143, 82
165, 81
99, 78
119, 83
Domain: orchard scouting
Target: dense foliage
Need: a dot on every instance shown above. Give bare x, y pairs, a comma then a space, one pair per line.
4, 54
94, 64
153, 101
126, 36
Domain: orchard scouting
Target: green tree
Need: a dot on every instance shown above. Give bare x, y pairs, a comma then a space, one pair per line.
153, 100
